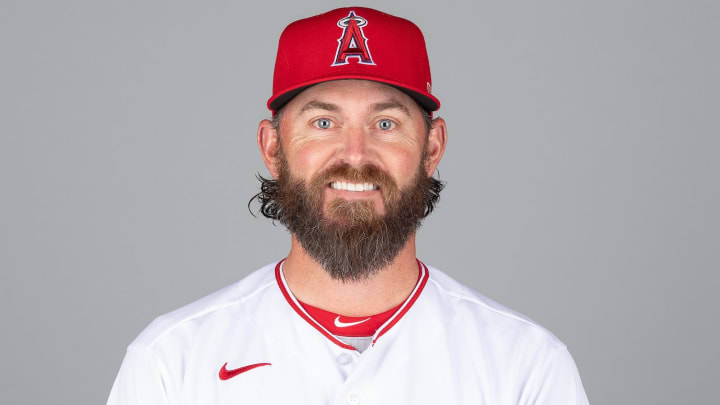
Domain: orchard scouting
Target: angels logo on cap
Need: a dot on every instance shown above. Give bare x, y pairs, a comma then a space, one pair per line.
352, 43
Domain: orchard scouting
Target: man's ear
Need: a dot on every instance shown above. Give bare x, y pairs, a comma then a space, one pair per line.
269, 144
436, 142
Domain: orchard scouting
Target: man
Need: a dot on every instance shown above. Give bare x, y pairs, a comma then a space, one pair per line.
350, 316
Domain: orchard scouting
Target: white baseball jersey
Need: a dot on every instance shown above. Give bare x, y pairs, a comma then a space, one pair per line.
252, 343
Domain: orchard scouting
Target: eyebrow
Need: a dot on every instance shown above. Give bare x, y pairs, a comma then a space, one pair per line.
389, 105
314, 104
377, 107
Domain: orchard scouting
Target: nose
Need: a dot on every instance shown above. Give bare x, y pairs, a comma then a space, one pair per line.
355, 146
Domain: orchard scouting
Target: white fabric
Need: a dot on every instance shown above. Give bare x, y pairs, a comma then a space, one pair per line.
453, 346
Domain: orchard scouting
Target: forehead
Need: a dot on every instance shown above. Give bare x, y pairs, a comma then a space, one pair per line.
352, 95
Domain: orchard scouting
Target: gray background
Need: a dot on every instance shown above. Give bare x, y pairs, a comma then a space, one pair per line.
582, 177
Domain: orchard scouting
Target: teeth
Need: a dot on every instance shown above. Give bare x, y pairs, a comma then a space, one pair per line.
343, 185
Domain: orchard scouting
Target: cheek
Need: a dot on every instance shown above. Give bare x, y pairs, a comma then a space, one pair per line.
306, 161
402, 166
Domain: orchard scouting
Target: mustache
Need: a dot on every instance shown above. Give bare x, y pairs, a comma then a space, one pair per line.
363, 174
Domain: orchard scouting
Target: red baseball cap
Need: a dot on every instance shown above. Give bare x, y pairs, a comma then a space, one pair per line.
352, 43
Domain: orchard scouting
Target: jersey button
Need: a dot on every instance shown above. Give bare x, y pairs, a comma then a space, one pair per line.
353, 398
344, 359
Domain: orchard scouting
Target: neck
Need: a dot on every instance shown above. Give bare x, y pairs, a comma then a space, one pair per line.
385, 289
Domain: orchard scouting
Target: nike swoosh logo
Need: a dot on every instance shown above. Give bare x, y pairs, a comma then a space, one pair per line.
340, 324
226, 374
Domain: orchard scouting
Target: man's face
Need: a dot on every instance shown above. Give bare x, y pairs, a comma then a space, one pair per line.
356, 124
353, 174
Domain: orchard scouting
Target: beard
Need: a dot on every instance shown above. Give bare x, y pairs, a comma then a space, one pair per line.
349, 239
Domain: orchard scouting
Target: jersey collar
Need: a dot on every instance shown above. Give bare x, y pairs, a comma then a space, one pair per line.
402, 310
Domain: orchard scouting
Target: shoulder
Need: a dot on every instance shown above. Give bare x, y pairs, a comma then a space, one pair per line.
520, 355
478, 315
211, 309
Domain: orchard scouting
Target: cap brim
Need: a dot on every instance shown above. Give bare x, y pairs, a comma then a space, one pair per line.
428, 102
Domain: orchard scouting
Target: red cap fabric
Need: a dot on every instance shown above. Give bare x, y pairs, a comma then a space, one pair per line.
352, 43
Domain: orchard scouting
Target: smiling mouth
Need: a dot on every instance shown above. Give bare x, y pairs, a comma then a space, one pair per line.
349, 186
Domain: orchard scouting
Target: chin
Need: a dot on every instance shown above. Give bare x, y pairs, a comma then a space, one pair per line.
347, 213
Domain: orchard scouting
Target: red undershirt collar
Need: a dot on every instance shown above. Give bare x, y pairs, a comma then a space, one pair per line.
350, 326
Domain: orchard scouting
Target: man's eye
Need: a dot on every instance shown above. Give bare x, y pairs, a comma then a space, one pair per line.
385, 124
323, 123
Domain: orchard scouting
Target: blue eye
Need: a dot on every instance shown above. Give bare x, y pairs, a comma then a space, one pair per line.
323, 123
385, 124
